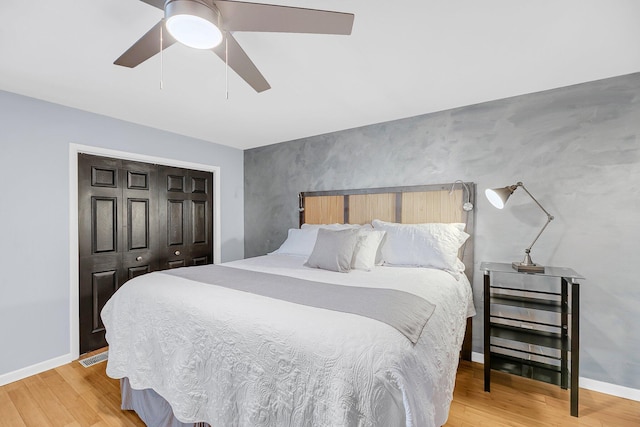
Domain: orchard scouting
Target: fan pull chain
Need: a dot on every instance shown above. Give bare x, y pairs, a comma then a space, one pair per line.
161, 59
226, 68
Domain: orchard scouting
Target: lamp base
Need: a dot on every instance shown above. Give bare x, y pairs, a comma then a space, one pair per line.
527, 268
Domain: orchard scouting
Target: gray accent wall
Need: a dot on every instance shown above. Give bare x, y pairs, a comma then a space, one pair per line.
34, 213
575, 148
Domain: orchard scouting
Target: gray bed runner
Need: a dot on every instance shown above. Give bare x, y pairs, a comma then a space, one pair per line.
406, 312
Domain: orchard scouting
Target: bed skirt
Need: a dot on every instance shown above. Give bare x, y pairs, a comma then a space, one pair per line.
150, 407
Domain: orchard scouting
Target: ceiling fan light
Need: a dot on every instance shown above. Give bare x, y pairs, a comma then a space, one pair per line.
192, 24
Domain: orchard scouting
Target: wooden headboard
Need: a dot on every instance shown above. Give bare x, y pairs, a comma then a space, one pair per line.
406, 205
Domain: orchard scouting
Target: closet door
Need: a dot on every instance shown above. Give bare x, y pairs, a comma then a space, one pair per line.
185, 216
134, 218
100, 241
118, 229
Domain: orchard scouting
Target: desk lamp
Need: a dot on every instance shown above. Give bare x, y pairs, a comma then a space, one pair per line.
498, 198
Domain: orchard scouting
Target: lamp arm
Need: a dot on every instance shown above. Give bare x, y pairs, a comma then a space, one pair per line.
549, 216
467, 206
539, 233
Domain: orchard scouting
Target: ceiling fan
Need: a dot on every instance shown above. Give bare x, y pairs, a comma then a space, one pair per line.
209, 24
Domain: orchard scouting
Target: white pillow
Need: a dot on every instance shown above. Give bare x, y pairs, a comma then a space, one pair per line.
333, 250
422, 245
299, 242
364, 255
336, 226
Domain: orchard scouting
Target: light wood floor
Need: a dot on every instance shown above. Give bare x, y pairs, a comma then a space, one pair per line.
516, 402
74, 396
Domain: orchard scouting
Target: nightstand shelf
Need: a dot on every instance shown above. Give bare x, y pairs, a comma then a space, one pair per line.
529, 336
516, 341
527, 368
526, 302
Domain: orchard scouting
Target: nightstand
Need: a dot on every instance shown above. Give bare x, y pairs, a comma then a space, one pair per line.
532, 325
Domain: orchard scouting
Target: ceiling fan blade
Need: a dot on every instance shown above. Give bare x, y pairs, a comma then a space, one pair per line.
240, 62
157, 3
240, 16
146, 47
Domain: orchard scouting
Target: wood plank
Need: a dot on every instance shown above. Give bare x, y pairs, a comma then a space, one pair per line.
55, 412
432, 206
30, 412
70, 399
93, 387
10, 417
364, 208
324, 210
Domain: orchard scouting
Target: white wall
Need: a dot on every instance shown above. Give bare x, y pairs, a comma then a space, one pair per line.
34, 216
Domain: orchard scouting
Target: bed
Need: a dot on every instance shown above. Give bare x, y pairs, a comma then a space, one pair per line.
205, 345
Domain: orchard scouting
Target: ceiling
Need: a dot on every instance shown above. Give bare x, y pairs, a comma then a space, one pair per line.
403, 59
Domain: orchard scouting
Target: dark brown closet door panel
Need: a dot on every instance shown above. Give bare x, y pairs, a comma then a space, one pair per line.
99, 211
202, 260
199, 184
139, 224
199, 228
137, 180
176, 250
100, 221
201, 210
176, 179
137, 271
104, 224
175, 222
173, 217
99, 279
174, 236
103, 285
139, 189
176, 263
201, 233
140, 194
105, 174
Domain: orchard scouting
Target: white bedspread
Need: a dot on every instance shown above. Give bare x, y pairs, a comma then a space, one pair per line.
236, 359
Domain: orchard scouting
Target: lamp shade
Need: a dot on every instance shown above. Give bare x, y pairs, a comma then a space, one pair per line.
499, 196
193, 24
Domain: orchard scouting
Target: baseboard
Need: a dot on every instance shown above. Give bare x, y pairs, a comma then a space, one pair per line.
34, 369
589, 384
477, 357
612, 389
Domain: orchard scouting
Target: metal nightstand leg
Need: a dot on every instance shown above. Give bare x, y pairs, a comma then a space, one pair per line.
575, 346
487, 331
564, 364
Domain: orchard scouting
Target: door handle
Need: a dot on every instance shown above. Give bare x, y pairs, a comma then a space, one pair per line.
176, 253
139, 258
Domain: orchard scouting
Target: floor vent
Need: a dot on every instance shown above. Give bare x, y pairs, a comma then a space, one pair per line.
94, 360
